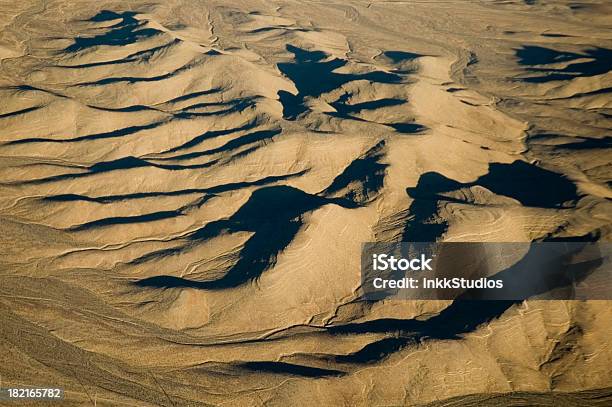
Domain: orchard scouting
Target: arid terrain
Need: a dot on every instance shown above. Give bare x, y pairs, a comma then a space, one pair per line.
185, 187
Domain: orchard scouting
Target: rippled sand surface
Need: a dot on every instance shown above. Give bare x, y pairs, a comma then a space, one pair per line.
185, 187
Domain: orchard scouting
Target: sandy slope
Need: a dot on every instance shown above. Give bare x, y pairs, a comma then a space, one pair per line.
185, 187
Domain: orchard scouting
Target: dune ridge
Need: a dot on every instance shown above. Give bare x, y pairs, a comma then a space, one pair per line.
185, 187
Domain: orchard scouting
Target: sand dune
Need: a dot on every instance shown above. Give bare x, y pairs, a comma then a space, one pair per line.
185, 188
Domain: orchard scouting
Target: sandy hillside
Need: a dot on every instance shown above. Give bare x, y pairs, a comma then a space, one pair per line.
185, 187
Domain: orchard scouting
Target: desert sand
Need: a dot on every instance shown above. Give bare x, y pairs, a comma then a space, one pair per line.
185, 187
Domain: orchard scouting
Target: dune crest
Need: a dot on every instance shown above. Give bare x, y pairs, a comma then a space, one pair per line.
185, 188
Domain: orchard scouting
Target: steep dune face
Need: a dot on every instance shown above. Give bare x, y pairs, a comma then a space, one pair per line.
185, 188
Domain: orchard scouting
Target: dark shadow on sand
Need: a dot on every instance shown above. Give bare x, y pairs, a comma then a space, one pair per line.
599, 62
127, 31
273, 214
313, 74
290, 369
469, 311
527, 183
